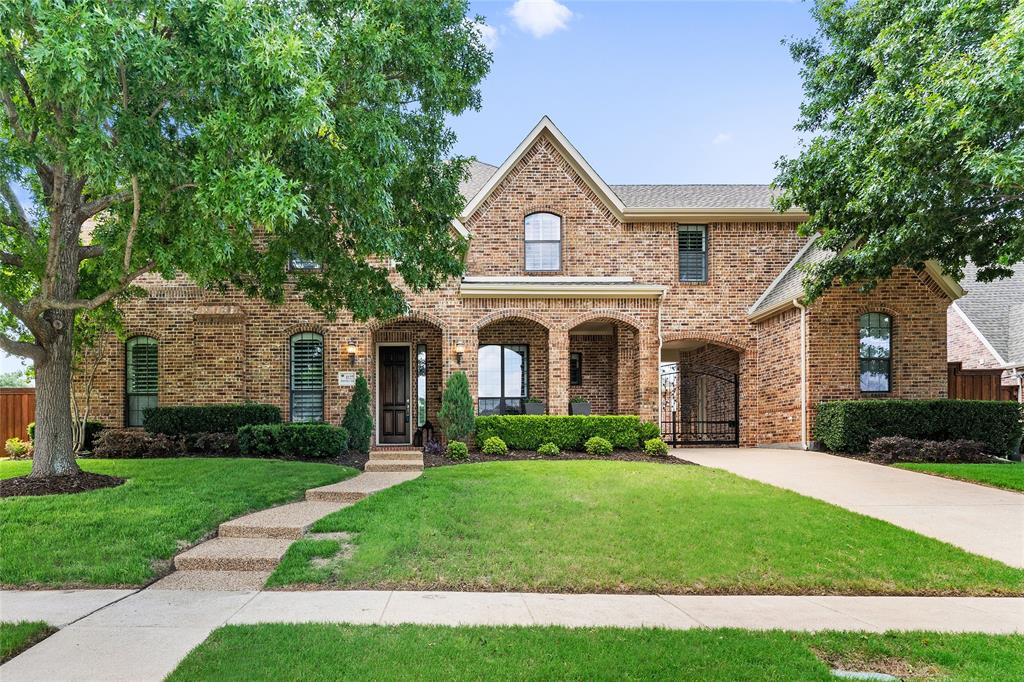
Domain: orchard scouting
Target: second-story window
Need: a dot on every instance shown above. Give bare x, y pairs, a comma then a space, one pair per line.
543, 242
297, 263
693, 253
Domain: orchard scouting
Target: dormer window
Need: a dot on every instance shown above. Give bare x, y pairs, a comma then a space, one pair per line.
543, 237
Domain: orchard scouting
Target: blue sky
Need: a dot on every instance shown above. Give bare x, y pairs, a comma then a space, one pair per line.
658, 92
649, 92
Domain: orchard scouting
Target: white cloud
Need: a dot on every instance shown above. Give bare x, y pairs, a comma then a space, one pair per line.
721, 138
488, 34
540, 17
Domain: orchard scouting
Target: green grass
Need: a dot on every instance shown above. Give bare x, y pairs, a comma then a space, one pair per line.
1008, 476
592, 526
410, 652
16, 637
119, 536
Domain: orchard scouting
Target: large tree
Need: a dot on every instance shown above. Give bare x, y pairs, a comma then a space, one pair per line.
915, 116
213, 138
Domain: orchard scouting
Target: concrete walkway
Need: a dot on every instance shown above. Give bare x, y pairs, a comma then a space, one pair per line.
144, 636
977, 518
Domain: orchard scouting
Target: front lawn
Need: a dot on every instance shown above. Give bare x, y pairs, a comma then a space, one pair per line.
16, 637
317, 652
123, 535
626, 527
1008, 476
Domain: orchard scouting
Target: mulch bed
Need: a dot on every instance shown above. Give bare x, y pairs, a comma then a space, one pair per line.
23, 486
619, 455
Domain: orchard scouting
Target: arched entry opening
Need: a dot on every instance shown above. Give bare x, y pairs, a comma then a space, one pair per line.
700, 393
604, 366
406, 379
512, 365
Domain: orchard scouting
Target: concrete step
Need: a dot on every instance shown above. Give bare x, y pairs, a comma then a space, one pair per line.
233, 554
355, 489
215, 581
287, 521
396, 455
379, 465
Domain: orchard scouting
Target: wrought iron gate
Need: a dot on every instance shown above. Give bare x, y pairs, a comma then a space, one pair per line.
700, 405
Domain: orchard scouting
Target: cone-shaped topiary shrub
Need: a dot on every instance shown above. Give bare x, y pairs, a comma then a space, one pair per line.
456, 414
357, 420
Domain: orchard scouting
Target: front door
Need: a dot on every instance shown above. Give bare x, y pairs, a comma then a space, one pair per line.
394, 394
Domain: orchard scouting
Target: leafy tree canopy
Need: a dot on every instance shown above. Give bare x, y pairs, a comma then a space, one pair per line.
916, 116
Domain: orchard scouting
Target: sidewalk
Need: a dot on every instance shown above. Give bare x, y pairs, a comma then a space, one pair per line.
979, 519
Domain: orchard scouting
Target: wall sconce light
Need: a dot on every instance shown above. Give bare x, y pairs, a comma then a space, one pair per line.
460, 348
351, 352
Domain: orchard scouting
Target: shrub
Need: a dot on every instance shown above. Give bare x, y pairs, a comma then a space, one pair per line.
850, 425
598, 446
210, 444
176, 421
494, 446
92, 429
457, 450
900, 449
456, 413
18, 448
357, 420
433, 448
135, 444
31, 429
655, 447
549, 450
306, 441
528, 432
647, 431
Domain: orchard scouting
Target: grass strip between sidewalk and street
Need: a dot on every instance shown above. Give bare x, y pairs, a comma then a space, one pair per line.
16, 637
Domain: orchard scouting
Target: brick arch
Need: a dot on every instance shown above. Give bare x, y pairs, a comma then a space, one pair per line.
418, 315
717, 339
600, 314
142, 331
303, 327
511, 314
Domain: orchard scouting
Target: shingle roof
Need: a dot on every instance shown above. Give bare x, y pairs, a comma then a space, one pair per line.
789, 285
695, 196
654, 196
996, 309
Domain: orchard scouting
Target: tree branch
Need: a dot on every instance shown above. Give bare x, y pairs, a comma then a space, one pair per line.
22, 349
91, 251
24, 226
96, 301
129, 242
14, 119
93, 207
10, 259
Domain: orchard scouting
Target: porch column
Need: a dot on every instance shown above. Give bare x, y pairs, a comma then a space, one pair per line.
558, 371
648, 363
451, 341
626, 377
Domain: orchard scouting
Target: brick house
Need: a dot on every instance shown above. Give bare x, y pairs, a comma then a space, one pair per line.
678, 303
985, 329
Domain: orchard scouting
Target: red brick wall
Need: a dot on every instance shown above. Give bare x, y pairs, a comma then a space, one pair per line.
778, 379
600, 375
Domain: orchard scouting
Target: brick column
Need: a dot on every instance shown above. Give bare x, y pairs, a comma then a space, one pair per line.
558, 371
647, 374
450, 359
626, 369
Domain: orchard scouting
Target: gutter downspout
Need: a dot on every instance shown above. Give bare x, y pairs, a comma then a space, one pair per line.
803, 373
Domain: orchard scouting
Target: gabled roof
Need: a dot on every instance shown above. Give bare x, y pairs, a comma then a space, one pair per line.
788, 287
996, 311
628, 203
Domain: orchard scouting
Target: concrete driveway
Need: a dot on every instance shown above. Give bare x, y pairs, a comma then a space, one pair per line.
977, 518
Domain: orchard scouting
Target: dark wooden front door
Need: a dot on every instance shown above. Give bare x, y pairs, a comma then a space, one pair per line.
394, 394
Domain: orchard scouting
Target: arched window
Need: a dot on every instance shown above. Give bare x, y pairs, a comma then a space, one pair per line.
141, 373
307, 377
875, 353
543, 237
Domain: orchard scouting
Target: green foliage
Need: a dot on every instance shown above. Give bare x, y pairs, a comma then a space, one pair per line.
548, 450
309, 441
914, 112
529, 432
655, 447
456, 413
136, 444
31, 430
174, 421
494, 446
648, 430
14, 379
457, 450
850, 425
598, 446
357, 420
17, 448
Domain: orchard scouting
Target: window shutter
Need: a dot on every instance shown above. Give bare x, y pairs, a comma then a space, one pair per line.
693, 253
307, 377
142, 366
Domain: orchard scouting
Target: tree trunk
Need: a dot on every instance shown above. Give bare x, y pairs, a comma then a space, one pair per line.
54, 440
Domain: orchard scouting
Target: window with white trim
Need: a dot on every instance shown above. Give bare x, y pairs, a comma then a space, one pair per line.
306, 377
543, 240
141, 377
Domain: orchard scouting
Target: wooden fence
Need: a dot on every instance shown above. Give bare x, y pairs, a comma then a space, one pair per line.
17, 410
978, 384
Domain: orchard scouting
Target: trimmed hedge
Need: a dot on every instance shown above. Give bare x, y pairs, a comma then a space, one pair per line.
529, 432
851, 425
292, 440
180, 420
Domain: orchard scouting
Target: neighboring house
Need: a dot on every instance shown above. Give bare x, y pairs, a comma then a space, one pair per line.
677, 303
986, 326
